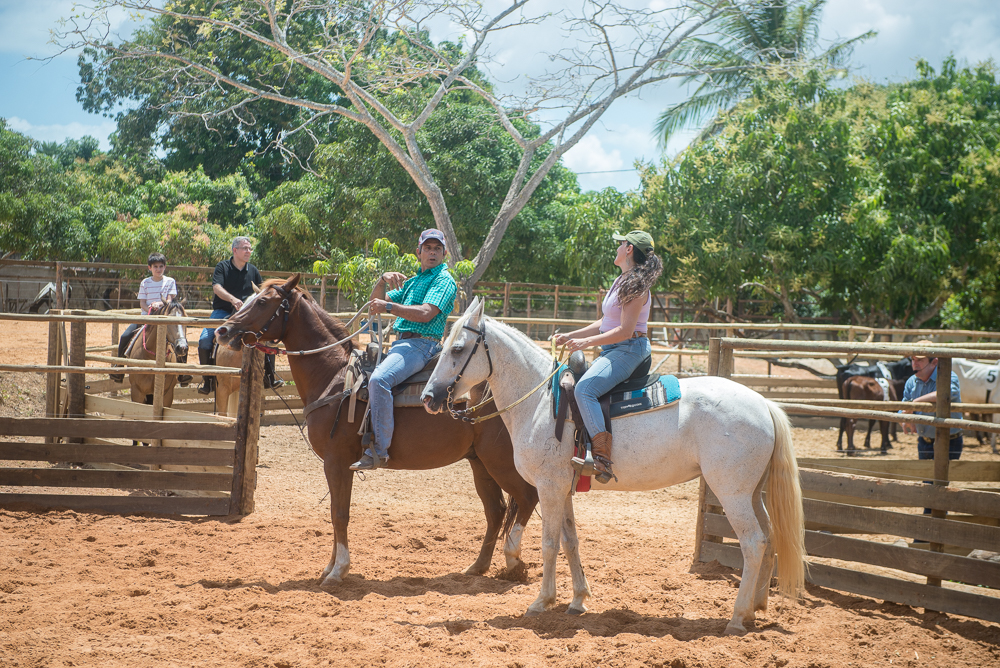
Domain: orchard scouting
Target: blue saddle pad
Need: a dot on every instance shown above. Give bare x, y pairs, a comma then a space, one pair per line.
662, 391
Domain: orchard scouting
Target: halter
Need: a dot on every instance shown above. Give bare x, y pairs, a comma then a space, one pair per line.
480, 338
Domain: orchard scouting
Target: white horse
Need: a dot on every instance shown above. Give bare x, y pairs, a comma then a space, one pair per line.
978, 383
719, 429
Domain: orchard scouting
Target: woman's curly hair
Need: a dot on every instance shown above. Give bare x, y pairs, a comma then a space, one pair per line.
639, 279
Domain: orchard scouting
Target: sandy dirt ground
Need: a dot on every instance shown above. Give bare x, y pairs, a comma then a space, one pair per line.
83, 589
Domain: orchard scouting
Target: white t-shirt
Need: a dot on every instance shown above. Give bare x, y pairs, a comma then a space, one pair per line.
154, 291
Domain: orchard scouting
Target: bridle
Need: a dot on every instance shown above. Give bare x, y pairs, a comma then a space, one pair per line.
145, 328
466, 415
283, 307
450, 401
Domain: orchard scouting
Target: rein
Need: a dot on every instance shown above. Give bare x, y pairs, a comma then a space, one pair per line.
466, 414
285, 306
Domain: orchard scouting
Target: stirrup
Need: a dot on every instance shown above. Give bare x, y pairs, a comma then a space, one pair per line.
586, 466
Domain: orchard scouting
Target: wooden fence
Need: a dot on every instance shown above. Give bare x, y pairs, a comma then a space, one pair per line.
197, 464
859, 513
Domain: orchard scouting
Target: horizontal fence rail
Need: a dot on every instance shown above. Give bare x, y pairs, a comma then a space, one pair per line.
827, 521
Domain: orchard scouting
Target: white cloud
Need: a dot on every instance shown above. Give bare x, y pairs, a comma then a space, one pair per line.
59, 133
589, 155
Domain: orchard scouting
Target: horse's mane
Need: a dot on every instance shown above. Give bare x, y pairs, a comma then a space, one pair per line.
338, 328
168, 307
456, 329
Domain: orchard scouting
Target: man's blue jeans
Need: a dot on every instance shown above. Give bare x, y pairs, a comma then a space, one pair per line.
925, 450
405, 358
207, 339
615, 364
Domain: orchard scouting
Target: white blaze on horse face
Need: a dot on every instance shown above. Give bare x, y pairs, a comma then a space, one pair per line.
248, 302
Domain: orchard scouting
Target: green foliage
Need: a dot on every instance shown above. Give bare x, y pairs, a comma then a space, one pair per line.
356, 275
591, 219
879, 203
184, 235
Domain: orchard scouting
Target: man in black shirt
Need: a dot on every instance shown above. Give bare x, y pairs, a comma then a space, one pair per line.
232, 282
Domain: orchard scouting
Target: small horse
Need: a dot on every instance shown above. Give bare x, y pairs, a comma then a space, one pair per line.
863, 388
738, 440
144, 348
284, 312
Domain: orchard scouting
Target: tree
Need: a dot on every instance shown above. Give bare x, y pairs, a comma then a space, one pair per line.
881, 203
765, 33
753, 207
393, 80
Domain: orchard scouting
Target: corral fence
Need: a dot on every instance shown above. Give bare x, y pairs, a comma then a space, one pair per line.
196, 463
860, 513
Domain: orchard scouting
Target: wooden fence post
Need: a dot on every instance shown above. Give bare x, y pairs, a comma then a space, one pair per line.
241, 500
726, 362
159, 379
53, 381
322, 293
942, 443
714, 347
506, 300
76, 382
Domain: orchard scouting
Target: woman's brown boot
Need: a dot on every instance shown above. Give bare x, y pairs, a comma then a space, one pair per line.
600, 446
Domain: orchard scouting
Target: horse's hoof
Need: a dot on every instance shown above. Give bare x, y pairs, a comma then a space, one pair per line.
475, 570
532, 613
575, 611
733, 629
330, 581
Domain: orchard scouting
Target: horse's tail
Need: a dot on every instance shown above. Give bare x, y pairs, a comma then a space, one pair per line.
784, 502
508, 519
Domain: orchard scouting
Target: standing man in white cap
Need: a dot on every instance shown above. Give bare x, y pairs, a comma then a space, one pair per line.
421, 305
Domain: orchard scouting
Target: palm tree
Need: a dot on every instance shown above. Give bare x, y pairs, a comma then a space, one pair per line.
760, 34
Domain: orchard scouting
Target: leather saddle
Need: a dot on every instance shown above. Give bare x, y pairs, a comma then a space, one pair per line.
578, 365
406, 394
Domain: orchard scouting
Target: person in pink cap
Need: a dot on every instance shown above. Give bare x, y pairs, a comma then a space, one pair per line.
421, 305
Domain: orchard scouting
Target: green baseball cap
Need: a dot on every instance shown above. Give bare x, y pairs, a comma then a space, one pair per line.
641, 240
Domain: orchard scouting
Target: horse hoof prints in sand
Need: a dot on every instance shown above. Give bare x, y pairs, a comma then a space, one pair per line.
719, 429
283, 312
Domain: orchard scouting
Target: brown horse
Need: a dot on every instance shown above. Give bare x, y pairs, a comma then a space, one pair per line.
284, 312
863, 388
144, 348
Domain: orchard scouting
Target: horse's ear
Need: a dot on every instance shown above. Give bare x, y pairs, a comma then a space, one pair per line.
292, 282
256, 288
475, 311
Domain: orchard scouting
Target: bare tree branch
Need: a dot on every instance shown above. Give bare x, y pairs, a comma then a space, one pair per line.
372, 51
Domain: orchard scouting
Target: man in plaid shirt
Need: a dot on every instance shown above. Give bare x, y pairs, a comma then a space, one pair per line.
421, 305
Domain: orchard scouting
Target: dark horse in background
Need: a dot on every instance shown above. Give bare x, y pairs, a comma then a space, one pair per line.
284, 312
865, 388
899, 371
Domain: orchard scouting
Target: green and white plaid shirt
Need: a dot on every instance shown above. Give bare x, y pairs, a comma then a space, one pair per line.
434, 286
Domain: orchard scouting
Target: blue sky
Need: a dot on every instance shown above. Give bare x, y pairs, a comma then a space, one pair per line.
39, 98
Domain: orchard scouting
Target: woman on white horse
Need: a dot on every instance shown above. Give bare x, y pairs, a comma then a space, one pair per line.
621, 333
